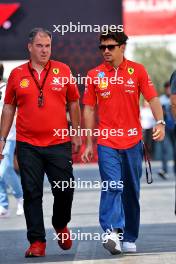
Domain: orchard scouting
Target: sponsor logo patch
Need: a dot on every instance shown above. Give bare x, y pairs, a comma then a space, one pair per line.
24, 83
101, 75
56, 71
105, 94
130, 71
103, 85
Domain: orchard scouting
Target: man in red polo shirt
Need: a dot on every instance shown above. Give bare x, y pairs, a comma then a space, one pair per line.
115, 87
40, 90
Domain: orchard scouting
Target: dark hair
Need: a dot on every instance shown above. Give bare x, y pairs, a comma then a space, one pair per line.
166, 84
1, 71
119, 37
35, 31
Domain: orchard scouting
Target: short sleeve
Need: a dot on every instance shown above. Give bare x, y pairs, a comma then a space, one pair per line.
146, 86
89, 97
10, 95
173, 83
72, 89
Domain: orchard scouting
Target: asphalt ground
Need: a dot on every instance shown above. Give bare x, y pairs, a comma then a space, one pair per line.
156, 243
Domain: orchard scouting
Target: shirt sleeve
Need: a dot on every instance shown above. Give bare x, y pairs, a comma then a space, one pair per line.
89, 97
173, 83
72, 89
146, 86
10, 95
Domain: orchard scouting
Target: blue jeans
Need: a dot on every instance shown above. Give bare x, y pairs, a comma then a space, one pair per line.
8, 176
119, 207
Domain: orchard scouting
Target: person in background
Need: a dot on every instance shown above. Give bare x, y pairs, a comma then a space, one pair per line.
8, 176
170, 132
173, 107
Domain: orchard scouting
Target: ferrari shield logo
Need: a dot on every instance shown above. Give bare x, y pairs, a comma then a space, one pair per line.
130, 70
55, 70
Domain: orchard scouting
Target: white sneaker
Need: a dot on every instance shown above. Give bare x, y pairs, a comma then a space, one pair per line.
111, 242
4, 212
129, 247
20, 210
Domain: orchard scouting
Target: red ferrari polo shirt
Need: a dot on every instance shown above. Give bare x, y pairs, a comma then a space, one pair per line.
117, 92
41, 126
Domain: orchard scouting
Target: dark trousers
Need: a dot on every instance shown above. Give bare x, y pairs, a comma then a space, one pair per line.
34, 162
171, 135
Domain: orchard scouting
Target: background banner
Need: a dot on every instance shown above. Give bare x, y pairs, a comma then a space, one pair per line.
149, 17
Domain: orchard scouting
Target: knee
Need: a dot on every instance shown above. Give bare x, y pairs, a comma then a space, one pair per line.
112, 186
31, 194
63, 194
5, 170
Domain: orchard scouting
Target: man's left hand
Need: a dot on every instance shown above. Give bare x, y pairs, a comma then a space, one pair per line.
76, 143
158, 132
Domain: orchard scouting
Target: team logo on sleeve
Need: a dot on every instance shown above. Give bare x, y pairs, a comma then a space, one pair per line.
130, 71
24, 83
55, 71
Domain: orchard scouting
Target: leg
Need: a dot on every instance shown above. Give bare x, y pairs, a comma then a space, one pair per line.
32, 175
58, 167
3, 187
132, 172
164, 154
111, 215
3, 194
172, 138
8, 173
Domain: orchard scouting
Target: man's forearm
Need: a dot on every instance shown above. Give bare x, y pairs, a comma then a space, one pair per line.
156, 108
89, 122
75, 114
7, 117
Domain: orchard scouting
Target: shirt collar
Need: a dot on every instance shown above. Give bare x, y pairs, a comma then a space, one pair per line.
45, 68
122, 65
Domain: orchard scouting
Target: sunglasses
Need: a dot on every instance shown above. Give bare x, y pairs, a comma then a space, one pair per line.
109, 47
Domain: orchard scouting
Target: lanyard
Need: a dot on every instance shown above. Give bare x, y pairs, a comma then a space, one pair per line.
40, 88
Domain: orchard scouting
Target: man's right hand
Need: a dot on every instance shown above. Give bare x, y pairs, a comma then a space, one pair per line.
2, 145
88, 153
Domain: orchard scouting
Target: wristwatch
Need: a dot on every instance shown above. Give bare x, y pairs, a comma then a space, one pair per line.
2, 139
161, 122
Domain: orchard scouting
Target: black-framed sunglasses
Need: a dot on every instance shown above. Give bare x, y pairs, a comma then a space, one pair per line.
109, 47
